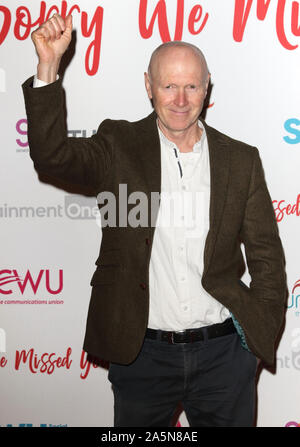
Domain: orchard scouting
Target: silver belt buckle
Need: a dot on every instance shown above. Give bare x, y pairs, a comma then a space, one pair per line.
171, 338
176, 332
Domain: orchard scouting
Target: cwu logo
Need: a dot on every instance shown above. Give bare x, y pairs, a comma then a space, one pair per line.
11, 280
292, 126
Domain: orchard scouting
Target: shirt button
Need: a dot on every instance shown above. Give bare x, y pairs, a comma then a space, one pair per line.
184, 187
185, 308
183, 278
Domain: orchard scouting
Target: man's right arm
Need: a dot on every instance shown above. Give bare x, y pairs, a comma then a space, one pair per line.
51, 40
83, 161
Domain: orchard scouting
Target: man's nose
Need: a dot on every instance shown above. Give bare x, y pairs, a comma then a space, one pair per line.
181, 98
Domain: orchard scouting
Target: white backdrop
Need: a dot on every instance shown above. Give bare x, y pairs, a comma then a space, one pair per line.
50, 238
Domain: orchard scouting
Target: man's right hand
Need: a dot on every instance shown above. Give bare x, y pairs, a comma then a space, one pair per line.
51, 40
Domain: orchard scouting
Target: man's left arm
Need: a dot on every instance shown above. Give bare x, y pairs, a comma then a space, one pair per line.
264, 251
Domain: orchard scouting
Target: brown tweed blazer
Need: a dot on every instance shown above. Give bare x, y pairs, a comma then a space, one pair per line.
241, 212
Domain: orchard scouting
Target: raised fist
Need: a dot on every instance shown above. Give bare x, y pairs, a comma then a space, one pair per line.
52, 39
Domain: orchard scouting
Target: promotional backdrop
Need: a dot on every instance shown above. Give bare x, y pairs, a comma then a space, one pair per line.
50, 236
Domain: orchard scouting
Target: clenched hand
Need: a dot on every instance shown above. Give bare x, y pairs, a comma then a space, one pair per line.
51, 40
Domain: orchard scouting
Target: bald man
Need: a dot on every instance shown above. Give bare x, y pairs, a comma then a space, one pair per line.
168, 309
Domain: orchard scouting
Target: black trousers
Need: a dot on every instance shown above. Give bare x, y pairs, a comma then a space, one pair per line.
214, 380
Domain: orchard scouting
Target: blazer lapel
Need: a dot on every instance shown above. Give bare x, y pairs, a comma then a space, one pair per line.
219, 158
149, 145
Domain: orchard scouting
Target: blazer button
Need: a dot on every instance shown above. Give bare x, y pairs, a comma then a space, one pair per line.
143, 285
147, 241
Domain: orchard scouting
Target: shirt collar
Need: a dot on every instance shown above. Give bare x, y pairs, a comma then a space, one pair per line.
197, 146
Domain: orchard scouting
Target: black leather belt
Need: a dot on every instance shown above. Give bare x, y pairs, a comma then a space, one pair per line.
192, 335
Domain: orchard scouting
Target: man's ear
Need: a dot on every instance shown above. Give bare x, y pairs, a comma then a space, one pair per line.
148, 85
207, 83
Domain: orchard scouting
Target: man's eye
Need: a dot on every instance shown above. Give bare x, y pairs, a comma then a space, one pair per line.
192, 86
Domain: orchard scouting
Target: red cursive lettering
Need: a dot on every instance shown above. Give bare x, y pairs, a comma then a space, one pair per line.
3, 362
242, 11
46, 363
6, 23
282, 210
24, 24
85, 364
160, 13
195, 16
95, 46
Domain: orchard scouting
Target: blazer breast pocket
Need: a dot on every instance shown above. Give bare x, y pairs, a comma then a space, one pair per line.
108, 267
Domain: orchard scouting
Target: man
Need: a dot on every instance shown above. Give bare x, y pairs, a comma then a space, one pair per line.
168, 308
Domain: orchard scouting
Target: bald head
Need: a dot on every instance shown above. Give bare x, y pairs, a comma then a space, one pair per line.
169, 50
177, 84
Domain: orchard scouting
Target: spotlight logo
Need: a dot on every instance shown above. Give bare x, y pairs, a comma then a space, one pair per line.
292, 127
22, 127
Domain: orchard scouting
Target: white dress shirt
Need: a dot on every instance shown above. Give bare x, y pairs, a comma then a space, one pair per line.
177, 298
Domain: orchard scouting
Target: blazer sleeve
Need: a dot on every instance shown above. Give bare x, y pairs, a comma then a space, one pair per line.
80, 161
264, 251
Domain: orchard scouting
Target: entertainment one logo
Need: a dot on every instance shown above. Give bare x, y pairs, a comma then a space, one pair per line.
72, 206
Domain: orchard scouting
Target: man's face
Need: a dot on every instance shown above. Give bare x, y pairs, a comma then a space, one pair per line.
177, 87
